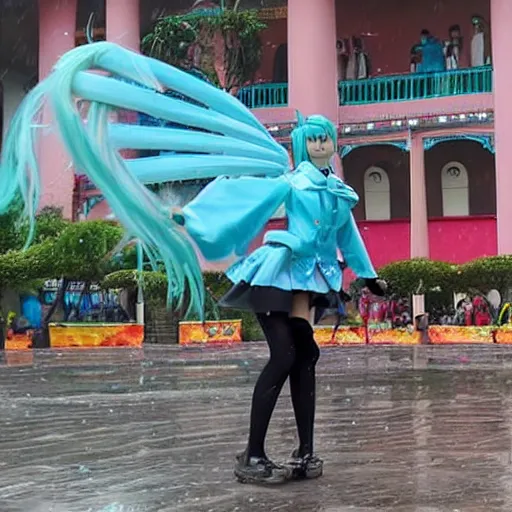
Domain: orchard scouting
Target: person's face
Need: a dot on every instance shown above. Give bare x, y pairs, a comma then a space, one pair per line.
455, 34
320, 149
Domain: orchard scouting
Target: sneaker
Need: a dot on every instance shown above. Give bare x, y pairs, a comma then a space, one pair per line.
307, 467
256, 470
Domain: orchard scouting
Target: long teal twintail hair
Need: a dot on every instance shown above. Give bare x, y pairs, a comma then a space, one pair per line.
312, 127
94, 148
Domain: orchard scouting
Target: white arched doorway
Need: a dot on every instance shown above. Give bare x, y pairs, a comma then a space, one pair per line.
377, 194
455, 190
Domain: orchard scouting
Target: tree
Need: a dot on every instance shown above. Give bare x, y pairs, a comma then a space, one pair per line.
225, 44
11, 229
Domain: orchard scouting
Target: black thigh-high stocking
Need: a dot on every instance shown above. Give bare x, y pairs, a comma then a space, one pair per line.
302, 382
276, 327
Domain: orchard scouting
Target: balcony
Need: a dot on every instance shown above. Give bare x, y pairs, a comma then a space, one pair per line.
385, 89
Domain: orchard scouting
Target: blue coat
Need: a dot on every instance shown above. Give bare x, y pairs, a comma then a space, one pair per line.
433, 58
230, 212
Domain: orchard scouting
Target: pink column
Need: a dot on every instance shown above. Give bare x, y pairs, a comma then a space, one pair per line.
419, 218
312, 67
337, 163
57, 28
123, 23
501, 17
123, 28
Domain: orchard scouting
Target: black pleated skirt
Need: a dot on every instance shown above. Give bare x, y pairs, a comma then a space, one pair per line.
265, 299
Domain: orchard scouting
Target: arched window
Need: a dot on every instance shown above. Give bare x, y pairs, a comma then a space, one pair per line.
281, 64
377, 194
455, 188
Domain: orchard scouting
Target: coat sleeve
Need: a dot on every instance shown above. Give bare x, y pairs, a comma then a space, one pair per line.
229, 213
354, 251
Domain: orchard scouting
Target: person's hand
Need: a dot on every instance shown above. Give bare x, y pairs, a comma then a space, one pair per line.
376, 286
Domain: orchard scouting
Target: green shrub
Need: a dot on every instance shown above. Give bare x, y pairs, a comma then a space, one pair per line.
485, 274
18, 267
81, 249
419, 276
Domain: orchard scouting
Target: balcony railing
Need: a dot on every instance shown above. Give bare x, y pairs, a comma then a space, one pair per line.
413, 86
416, 86
264, 95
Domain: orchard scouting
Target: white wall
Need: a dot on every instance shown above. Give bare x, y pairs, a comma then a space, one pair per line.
377, 194
455, 189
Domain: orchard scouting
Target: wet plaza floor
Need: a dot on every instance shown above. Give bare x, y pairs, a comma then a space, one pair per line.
402, 429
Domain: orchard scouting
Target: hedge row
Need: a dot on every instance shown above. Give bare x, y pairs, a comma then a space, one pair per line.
418, 276
78, 253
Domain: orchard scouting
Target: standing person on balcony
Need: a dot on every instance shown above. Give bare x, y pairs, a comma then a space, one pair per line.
432, 61
415, 59
453, 56
479, 47
432, 51
342, 58
358, 66
279, 281
453, 48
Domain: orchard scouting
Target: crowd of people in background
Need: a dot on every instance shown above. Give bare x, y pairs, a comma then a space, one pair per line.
431, 54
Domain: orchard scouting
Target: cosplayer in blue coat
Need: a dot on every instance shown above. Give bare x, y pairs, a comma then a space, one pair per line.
281, 280
229, 213
208, 134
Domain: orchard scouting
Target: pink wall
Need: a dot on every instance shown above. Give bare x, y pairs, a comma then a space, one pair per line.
464, 103
272, 37
501, 14
455, 239
354, 114
386, 241
396, 25
460, 239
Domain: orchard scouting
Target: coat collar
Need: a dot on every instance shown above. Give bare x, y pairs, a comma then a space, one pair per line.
308, 177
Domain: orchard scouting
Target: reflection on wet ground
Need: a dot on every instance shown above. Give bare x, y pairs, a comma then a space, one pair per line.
412, 429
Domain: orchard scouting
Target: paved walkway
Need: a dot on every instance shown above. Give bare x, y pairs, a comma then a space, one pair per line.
412, 429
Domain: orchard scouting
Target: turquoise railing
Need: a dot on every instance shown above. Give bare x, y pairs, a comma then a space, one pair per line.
264, 95
416, 86
413, 86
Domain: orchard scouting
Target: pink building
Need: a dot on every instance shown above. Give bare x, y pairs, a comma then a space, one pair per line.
427, 152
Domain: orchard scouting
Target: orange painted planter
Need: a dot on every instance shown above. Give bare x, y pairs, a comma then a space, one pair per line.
394, 337
96, 335
344, 336
223, 331
19, 341
356, 336
449, 334
504, 335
